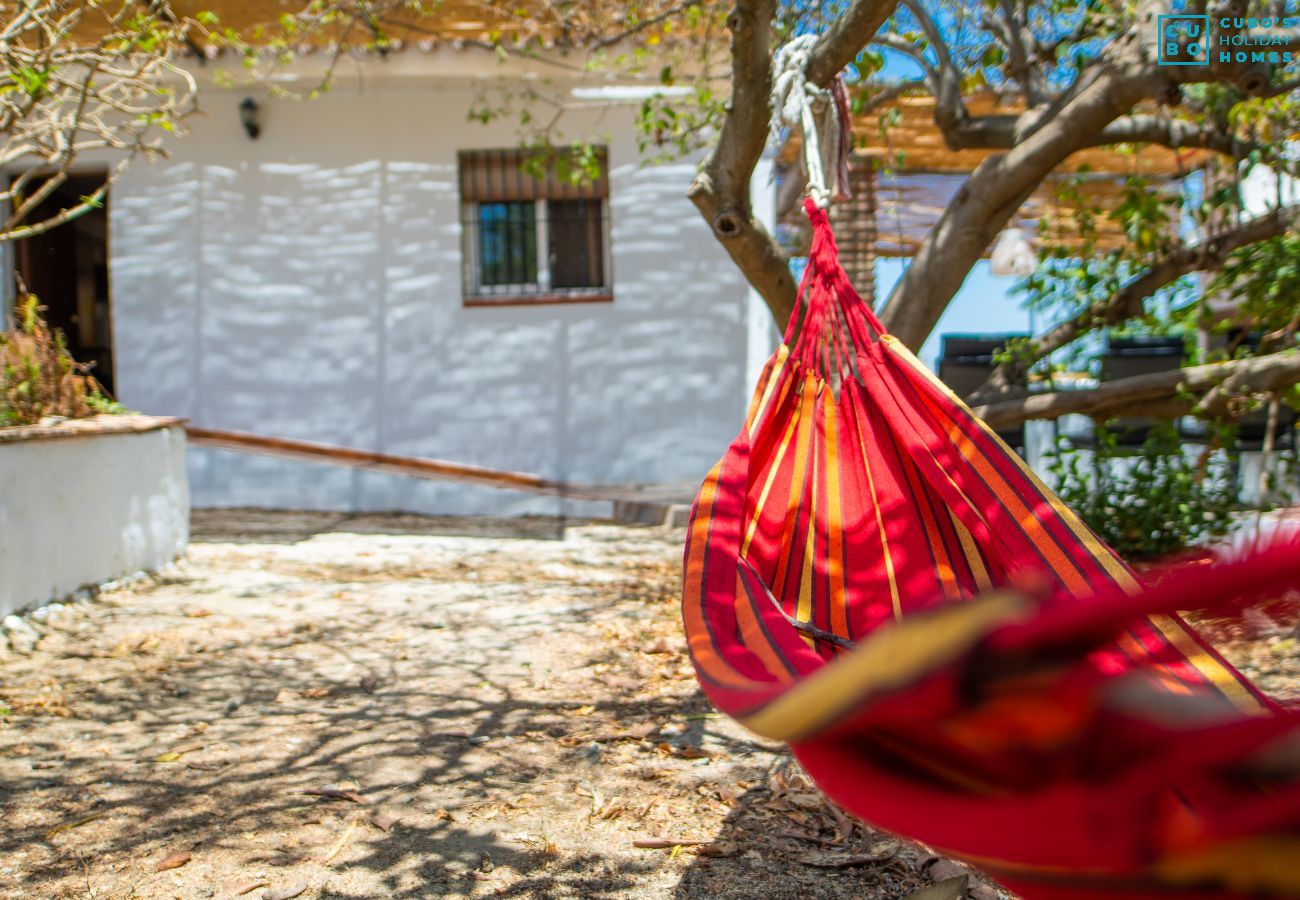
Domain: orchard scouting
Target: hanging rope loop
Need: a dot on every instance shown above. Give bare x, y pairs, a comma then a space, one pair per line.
795, 103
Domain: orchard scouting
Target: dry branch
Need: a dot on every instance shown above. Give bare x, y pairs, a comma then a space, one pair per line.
1175, 392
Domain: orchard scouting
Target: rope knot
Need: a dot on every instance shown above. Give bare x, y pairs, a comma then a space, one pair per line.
796, 103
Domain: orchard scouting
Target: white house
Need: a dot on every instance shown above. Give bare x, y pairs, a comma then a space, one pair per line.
373, 271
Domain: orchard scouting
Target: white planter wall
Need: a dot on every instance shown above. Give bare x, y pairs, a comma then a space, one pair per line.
79, 511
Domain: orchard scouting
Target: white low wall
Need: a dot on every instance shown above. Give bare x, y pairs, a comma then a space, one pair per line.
87, 502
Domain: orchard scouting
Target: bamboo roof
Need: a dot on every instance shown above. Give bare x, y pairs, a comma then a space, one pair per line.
913, 143
454, 23
908, 204
918, 175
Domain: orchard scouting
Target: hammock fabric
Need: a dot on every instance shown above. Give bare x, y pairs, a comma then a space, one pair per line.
872, 576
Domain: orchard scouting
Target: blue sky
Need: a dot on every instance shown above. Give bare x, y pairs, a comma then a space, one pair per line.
983, 305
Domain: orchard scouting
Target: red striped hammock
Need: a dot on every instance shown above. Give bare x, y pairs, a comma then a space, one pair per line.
872, 576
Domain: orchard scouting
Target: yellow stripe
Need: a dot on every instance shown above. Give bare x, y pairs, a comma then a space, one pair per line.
982, 581
767, 486
880, 526
896, 655
834, 522
802, 441
1263, 865
759, 409
803, 610
1207, 665
1212, 669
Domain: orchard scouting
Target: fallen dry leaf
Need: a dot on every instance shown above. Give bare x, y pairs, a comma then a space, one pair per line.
76, 823
288, 892
335, 794
382, 820
720, 848
687, 751
243, 886
663, 844
174, 861
828, 859
948, 889
339, 845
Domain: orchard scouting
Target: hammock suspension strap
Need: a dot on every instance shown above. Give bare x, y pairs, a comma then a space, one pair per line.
795, 102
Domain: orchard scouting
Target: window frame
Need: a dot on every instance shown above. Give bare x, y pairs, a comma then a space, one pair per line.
475, 293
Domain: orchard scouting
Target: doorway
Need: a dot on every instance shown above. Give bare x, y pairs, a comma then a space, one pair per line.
67, 269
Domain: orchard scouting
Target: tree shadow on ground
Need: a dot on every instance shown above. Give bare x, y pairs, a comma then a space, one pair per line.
782, 832
210, 751
484, 719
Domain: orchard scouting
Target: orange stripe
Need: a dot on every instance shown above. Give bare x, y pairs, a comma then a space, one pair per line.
795, 499
767, 486
755, 638
880, 524
1046, 544
942, 562
702, 651
760, 404
839, 618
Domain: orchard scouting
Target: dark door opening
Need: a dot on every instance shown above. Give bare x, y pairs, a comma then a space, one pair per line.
67, 269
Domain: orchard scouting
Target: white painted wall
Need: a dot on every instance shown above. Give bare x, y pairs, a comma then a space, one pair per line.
308, 285
83, 510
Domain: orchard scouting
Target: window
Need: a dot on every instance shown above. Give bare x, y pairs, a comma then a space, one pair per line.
531, 239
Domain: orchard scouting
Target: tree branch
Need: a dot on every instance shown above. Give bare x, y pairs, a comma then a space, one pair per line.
1127, 302
721, 189
1175, 391
1123, 74
841, 43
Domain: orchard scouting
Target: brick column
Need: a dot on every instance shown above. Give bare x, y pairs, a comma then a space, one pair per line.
854, 221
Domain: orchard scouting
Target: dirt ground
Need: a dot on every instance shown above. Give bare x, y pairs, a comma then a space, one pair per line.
398, 707
403, 707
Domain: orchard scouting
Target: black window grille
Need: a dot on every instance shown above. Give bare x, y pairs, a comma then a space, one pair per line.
507, 244
577, 252
529, 234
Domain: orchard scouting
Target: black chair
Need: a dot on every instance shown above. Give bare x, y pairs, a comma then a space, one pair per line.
1130, 357
965, 362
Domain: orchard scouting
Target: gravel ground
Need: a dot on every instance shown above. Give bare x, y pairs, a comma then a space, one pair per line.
403, 707
330, 706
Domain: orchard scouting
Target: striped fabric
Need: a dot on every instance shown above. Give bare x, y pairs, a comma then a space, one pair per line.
874, 577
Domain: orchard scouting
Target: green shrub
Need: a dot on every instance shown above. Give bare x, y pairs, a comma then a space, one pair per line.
39, 378
1151, 502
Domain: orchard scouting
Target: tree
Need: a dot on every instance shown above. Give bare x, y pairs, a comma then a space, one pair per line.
1079, 74
77, 79
1086, 75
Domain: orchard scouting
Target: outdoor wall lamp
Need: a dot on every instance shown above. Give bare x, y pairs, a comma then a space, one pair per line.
250, 116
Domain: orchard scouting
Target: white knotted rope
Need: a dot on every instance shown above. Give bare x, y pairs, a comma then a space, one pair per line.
793, 97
